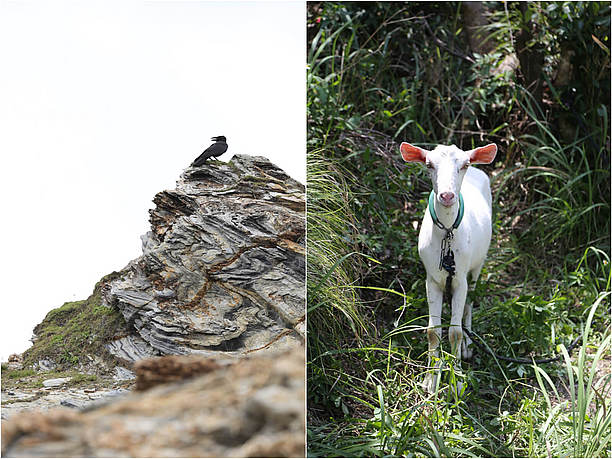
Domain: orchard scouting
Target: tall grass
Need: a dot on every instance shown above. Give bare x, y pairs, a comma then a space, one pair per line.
329, 215
332, 304
586, 418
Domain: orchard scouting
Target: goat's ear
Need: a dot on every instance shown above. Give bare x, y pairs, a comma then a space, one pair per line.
483, 155
411, 153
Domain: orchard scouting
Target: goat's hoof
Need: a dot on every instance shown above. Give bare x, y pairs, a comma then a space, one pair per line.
466, 350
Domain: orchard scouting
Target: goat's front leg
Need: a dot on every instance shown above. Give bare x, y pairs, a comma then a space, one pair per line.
455, 332
434, 332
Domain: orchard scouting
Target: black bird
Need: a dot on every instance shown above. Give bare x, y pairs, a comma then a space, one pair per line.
216, 149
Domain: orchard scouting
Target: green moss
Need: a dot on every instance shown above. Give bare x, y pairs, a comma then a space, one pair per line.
77, 329
83, 378
29, 378
233, 166
16, 374
12, 378
61, 315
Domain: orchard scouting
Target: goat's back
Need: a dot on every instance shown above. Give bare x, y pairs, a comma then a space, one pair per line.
475, 184
476, 231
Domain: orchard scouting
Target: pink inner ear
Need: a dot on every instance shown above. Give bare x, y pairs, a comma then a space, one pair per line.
411, 153
484, 155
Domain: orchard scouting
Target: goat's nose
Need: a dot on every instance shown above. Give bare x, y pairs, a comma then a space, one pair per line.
447, 197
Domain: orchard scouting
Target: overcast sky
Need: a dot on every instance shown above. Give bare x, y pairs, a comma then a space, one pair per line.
103, 104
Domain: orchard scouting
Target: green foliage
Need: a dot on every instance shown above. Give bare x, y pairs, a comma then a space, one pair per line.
381, 73
576, 30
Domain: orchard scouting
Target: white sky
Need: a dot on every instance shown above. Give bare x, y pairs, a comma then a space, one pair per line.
103, 104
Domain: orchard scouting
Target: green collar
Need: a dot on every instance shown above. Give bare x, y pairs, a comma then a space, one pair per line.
434, 217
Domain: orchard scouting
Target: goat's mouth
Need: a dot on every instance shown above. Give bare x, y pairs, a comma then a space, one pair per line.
447, 202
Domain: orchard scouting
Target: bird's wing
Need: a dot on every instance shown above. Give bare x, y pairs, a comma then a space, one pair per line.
215, 149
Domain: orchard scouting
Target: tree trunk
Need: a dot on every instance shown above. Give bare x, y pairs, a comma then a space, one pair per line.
474, 19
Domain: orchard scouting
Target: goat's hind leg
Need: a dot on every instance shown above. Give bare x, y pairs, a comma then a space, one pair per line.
466, 350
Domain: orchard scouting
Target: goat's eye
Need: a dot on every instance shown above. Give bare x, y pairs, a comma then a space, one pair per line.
465, 166
429, 165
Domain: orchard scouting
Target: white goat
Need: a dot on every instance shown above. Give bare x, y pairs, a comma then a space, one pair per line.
450, 172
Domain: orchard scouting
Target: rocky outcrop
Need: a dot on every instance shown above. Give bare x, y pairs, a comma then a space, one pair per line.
209, 320
222, 273
222, 270
253, 407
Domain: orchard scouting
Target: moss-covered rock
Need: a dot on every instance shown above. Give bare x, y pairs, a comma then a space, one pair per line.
75, 334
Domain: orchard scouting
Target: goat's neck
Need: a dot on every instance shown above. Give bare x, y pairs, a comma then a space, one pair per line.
446, 215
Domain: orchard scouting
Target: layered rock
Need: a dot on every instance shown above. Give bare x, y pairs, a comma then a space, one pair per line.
253, 407
222, 270
28, 399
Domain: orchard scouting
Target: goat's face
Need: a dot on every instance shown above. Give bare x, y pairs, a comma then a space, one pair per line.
447, 166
